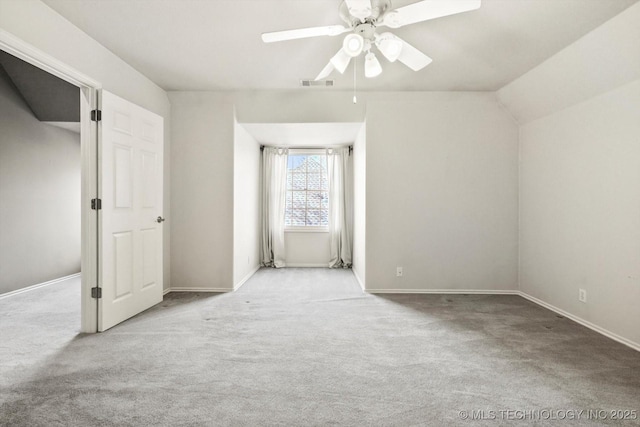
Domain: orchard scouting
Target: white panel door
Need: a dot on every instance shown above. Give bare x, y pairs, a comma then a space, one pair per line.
130, 187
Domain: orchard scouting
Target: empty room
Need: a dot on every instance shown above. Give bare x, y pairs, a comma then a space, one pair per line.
320, 212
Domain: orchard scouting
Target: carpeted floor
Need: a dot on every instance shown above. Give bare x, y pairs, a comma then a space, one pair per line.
307, 347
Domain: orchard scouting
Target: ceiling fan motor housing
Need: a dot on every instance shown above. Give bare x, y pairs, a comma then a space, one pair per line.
378, 9
366, 30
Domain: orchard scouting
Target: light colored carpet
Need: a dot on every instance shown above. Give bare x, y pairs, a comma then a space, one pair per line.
307, 347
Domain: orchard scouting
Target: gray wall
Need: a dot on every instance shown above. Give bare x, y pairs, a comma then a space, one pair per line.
39, 196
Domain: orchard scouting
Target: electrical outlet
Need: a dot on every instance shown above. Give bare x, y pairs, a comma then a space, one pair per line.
398, 271
582, 295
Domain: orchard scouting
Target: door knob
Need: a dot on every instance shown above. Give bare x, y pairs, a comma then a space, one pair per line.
159, 219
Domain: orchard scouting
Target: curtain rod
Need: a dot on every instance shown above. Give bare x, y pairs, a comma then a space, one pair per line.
304, 148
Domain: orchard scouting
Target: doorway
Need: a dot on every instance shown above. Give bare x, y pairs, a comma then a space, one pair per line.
122, 147
88, 169
39, 178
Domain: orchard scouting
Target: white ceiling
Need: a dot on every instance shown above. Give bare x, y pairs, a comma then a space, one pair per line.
303, 134
216, 45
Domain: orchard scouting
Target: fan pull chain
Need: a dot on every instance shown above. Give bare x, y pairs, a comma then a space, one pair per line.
355, 66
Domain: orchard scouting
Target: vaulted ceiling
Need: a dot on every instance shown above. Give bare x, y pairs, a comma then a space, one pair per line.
216, 45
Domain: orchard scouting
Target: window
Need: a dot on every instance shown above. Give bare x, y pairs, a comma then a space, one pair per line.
307, 202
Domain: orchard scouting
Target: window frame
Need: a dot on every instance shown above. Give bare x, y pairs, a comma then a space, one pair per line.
308, 228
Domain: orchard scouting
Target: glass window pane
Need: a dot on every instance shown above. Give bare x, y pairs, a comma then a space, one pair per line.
314, 164
299, 199
287, 216
299, 181
324, 217
324, 204
314, 217
307, 198
325, 183
314, 199
289, 181
288, 199
314, 181
297, 217
296, 163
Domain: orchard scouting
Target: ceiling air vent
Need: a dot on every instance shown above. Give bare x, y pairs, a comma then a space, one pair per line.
322, 83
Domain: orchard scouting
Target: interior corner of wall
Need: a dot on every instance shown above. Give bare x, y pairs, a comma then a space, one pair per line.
504, 107
235, 114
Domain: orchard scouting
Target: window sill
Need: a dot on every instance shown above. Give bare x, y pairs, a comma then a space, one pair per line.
306, 230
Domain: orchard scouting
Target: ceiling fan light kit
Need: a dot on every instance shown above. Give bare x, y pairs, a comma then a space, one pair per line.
372, 67
363, 17
353, 45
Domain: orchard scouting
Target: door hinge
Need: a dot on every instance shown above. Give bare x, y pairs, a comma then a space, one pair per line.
96, 293
96, 204
96, 115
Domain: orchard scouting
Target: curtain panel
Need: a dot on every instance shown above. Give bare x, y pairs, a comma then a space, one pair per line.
274, 185
340, 173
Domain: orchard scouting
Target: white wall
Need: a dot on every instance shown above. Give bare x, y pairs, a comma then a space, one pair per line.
359, 205
202, 135
580, 201
580, 169
307, 249
298, 106
202, 181
35, 23
246, 205
441, 183
441, 192
39, 195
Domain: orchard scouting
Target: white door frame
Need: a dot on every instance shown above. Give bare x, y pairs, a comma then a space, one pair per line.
89, 164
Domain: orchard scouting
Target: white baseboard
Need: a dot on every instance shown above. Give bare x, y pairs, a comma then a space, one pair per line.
307, 265
355, 273
245, 278
219, 290
583, 322
166, 291
39, 285
445, 291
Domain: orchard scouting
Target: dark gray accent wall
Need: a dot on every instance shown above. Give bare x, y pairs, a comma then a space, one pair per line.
50, 99
39, 195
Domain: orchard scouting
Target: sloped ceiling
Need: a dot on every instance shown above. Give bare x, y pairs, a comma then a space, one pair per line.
216, 45
49, 98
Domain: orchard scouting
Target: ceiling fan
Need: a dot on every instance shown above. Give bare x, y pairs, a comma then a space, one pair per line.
362, 18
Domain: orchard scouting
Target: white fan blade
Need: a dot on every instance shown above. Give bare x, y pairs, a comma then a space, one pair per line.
389, 45
427, 9
340, 61
331, 30
412, 57
359, 8
325, 72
